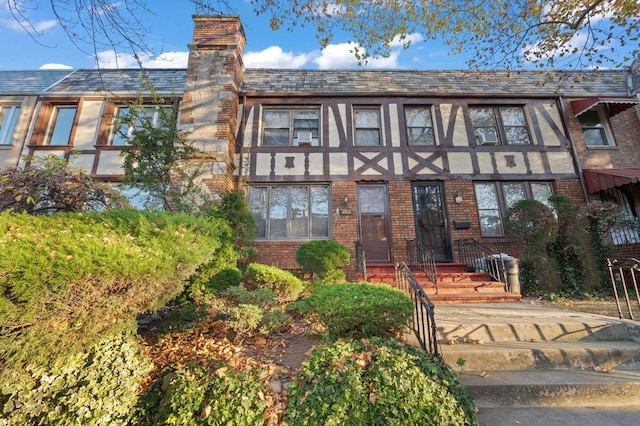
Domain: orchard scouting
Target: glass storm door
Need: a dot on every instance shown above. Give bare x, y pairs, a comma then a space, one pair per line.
374, 227
431, 219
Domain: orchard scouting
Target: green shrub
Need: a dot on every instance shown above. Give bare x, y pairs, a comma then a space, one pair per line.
273, 321
262, 297
244, 318
322, 258
97, 387
357, 310
199, 397
284, 283
379, 382
227, 277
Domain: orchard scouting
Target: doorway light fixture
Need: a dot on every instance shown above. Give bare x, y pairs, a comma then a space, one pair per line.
458, 199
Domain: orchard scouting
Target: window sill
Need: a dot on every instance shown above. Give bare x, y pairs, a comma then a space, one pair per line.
601, 147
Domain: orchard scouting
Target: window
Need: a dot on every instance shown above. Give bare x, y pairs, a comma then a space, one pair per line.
499, 125
419, 126
367, 126
285, 127
140, 199
290, 212
8, 119
494, 198
624, 230
127, 121
61, 125
594, 127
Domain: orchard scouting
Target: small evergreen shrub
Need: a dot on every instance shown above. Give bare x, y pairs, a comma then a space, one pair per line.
262, 297
227, 277
322, 258
357, 310
196, 396
273, 321
97, 387
244, 318
377, 382
284, 283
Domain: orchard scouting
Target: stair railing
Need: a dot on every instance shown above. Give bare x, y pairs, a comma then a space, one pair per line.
624, 274
361, 260
424, 321
418, 254
479, 258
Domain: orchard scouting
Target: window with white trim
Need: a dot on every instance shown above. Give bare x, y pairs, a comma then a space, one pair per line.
419, 125
494, 199
290, 211
499, 125
291, 126
128, 120
9, 115
367, 129
595, 127
61, 125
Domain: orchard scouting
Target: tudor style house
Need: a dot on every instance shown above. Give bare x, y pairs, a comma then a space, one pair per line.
387, 159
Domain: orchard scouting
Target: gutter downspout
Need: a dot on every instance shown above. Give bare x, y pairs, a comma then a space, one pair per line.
574, 153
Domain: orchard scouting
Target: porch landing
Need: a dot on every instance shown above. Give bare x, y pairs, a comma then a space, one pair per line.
455, 284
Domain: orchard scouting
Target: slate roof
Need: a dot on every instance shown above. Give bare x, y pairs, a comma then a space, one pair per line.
455, 83
29, 81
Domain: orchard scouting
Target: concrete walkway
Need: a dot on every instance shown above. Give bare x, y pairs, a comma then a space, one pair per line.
528, 364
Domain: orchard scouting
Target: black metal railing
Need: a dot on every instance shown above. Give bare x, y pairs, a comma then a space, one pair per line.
361, 260
418, 254
624, 277
479, 258
424, 321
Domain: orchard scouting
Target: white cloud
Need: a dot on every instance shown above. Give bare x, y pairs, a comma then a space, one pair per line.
534, 53
112, 59
54, 66
342, 55
38, 27
275, 57
408, 39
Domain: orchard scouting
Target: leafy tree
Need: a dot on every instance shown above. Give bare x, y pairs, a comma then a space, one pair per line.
498, 33
161, 163
49, 185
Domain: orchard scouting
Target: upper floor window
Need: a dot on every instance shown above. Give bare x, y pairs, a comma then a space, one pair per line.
367, 126
286, 127
61, 125
419, 126
290, 211
500, 125
8, 119
495, 198
595, 128
128, 120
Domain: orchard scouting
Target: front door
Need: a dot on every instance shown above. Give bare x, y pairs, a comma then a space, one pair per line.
374, 222
431, 219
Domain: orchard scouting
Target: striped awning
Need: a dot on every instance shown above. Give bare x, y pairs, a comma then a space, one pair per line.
616, 105
597, 180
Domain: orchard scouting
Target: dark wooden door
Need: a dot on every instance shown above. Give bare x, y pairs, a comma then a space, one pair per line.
374, 222
431, 219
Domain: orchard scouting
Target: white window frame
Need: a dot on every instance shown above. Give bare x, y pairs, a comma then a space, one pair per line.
53, 126
291, 129
408, 125
356, 127
10, 115
604, 125
117, 139
499, 125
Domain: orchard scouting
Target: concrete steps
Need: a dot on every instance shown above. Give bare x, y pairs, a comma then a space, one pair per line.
532, 365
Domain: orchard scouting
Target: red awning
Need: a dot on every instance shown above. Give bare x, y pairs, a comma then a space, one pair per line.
600, 179
616, 105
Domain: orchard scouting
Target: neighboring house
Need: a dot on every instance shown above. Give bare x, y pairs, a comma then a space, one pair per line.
383, 158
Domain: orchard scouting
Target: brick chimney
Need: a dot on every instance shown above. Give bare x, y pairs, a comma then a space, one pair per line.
210, 103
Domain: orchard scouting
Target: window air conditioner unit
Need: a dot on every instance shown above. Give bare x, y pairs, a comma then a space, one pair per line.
488, 138
304, 138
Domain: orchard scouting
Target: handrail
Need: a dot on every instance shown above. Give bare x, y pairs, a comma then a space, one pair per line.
624, 272
479, 258
424, 321
361, 260
419, 254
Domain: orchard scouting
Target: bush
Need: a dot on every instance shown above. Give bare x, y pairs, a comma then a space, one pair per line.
358, 310
322, 258
273, 321
262, 297
199, 397
284, 283
97, 387
244, 318
376, 383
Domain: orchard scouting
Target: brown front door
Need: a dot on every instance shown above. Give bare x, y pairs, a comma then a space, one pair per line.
374, 222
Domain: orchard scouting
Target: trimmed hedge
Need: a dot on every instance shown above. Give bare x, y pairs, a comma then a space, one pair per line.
284, 283
324, 259
377, 382
357, 310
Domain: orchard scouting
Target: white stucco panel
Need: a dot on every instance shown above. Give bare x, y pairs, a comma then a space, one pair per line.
485, 162
511, 162
88, 123
398, 164
248, 129
263, 164
338, 165
460, 162
395, 125
460, 136
110, 163
536, 165
549, 136
82, 161
333, 134
560, 162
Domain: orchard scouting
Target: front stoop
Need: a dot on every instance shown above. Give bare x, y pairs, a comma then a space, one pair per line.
532, 365
455, 284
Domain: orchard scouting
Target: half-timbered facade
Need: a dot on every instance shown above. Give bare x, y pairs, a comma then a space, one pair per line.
381, 158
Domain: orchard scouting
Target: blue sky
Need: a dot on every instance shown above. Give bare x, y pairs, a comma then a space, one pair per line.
170, 30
